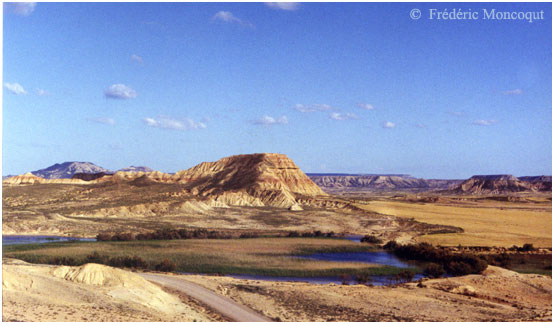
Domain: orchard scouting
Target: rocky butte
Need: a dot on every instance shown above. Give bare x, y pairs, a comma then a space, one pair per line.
262, 179
502, 183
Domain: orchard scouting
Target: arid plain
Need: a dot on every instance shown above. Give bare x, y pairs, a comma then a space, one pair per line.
251, 204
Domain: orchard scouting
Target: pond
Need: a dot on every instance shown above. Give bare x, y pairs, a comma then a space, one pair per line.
374, 257
33, 239
377, 257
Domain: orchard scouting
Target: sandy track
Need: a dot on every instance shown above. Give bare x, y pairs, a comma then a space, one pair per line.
224, 305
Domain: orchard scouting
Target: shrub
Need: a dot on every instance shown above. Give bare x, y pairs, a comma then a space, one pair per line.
390, 246
95, 257
128, 262
527, 247
293, 234
103, 237
123, 237
371, 239
248, 235
68, 261
434, 270
405, 276
165, 266
362, 278
345, 279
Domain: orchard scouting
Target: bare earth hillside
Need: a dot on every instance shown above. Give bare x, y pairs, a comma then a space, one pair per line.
256, 191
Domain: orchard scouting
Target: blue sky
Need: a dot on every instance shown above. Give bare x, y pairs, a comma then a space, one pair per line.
353, 88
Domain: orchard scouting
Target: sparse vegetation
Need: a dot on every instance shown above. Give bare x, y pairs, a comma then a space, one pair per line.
433, 270
255, 256
371, 239
457, 264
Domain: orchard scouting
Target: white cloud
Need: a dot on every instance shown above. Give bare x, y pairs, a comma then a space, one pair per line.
136, 58
389, 124
103, 120
366, 106
485, 122
171, 123
283, 5
341, 116
21, 8
268, 121
120, 91
42, 92
228, 17
312, 108
15, 88
513, 92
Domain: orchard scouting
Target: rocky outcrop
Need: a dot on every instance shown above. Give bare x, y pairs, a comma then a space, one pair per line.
540, 183
27, 178
492, 184
272, 179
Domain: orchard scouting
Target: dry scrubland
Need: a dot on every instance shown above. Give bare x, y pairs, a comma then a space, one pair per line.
98, 293
496, 295
485, 222
85, 211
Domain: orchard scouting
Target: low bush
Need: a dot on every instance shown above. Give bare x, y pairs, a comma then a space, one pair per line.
405, 276
371, 239
455, 264
165, 266
362, 278
433, 270
68, 261
128, 262
95, 257
293, 234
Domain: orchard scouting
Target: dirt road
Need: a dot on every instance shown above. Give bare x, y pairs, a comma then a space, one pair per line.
223, 305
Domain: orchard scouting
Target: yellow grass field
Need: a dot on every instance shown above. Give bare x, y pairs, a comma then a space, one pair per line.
484, 223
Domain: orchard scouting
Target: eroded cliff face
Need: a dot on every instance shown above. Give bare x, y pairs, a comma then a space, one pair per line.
274, 179
493, 184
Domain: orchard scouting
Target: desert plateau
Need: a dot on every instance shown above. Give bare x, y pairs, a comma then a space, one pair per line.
246, 227
276, 162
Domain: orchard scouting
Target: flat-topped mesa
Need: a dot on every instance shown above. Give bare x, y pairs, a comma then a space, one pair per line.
273, 178
493, 184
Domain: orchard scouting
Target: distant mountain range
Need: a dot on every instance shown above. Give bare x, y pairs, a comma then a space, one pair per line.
68, 170
478, 184
378, 182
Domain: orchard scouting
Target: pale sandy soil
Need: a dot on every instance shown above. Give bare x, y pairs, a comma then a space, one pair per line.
96, 293
99, 293
497, 295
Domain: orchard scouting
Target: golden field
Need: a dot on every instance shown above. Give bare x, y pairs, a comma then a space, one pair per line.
485, 222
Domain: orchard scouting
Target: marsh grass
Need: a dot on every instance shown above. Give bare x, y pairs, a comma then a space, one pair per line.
256, 256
